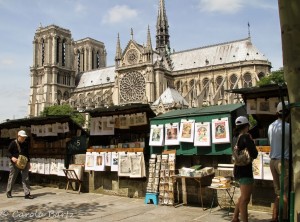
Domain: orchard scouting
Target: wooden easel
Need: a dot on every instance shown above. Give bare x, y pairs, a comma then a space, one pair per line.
71, 176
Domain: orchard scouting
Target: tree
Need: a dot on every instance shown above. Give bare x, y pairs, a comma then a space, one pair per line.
289, 14
58, 110
276, 77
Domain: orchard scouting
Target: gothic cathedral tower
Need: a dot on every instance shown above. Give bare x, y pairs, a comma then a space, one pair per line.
52, 73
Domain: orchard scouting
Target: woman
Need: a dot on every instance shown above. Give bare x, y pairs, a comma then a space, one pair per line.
243, 174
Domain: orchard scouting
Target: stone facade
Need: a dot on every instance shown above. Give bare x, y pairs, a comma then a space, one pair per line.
75, 72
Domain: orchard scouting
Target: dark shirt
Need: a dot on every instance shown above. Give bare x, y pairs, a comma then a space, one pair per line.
14, 152
245, 171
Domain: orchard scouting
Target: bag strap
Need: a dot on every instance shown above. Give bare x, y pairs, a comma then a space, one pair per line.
237, 141
18, 145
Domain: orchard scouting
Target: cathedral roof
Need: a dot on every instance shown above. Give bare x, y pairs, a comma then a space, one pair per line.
170, 96
97, 77
223, 53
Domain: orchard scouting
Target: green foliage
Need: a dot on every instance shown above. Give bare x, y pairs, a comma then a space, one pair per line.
276, 77
59, 110
252, 121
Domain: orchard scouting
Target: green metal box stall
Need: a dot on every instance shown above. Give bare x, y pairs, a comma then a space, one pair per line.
204, 114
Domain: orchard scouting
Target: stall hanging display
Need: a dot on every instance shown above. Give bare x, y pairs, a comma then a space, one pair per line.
202, 134
220, 130
156, 135
187, 130
114, 161
99, 159
171, 134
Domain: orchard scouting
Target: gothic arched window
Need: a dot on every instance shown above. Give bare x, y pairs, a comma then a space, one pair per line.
232, 80
78, 61
261, 75
43, 51
57, 49
63, 50
247, 80
59, 97
219, 80
97, 60
204, 83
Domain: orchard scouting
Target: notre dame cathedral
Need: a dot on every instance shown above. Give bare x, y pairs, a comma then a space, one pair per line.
75, 72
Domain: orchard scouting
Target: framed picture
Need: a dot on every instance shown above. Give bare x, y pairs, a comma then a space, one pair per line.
171, 134
202, 134
263, 106
156, 135
140, 119
220, 130
187, 130
251, 106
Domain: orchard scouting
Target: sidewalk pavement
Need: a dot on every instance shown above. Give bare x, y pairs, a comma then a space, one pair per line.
53, 204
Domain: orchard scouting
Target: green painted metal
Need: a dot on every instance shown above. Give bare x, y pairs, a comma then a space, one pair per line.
205, 114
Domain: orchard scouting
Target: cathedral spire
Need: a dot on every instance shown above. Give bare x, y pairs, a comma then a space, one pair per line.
118, 51
149, 44
162, 30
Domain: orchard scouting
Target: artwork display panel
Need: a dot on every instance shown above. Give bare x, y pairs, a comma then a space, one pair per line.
220, 130
187, 130
89, 161
124, 164
172, 134
156, 135
263, 106
251, 106
99, 159
202, 134
114, 161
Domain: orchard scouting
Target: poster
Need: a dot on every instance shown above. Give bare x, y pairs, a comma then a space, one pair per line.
99, 161
89, 161
187, 130
172, 134
156, 135
220, 130
124, 164
251, 106
114, 161
202, 134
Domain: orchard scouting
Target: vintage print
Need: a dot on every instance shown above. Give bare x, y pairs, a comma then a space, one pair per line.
187, 130
171, 134
220, 130
202, 134
156, 135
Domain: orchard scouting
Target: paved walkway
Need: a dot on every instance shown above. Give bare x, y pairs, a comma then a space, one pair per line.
53, 204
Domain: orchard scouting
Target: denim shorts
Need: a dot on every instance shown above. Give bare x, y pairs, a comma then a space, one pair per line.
246, 181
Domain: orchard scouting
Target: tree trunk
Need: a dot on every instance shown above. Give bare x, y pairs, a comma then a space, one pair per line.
289, 13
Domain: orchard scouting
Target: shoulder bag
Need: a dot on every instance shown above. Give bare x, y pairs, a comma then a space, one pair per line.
22, 160
240, 157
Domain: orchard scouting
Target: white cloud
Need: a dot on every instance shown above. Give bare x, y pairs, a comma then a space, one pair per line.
119, 13
225, 6
79, 8
6, 61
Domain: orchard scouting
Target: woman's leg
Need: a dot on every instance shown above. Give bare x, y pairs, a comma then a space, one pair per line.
236, 211
246, 191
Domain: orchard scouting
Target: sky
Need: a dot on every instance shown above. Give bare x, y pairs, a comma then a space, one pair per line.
192, 24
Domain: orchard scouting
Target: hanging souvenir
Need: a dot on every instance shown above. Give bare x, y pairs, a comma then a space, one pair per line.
156, 135
202, 134
172, 134
220, 130
187, 130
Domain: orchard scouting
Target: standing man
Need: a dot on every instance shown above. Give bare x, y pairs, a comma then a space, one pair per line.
275, 139
13, 154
